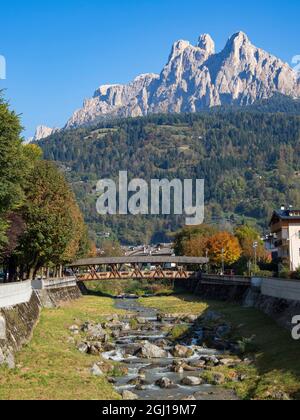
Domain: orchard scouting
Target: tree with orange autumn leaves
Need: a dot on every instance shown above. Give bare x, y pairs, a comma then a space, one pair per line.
223, 246
199, 241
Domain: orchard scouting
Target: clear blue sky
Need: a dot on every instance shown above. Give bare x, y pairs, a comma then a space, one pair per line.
59, 52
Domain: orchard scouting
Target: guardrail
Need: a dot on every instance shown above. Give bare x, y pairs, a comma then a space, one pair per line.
230, 280
12, 294
281, 289
54, 283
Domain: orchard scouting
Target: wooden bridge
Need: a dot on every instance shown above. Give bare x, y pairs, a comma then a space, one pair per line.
149, 268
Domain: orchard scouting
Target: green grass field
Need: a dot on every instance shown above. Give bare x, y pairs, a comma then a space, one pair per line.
52, 368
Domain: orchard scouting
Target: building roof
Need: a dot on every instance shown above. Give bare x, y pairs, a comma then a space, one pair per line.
286, 214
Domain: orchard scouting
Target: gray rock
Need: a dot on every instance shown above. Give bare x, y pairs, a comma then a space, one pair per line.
96, 371
182, 351
191, 318
96, 332
129, 396
83, 347
192, 381
165, 383
150, 351
198, 363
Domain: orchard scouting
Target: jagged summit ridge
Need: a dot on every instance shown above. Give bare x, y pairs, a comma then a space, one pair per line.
195, 77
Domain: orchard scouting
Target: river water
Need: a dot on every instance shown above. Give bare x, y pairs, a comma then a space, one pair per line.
143, 374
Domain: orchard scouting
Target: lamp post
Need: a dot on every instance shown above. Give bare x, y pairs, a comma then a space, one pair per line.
207, 266
223, 264
255, 246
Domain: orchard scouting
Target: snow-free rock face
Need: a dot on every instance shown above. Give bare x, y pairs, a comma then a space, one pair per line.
194, 78
42, 132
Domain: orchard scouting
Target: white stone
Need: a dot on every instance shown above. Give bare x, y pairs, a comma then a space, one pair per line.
192, 381
96, 371
150, 351
129, 396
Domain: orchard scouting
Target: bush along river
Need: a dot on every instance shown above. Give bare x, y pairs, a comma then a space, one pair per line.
160, 356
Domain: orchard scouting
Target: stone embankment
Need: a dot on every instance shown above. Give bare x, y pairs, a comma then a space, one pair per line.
20, 305
278, 298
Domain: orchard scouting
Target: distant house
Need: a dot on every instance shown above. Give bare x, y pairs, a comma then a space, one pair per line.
285, 236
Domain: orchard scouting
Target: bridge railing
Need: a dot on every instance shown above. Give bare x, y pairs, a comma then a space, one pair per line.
226, 279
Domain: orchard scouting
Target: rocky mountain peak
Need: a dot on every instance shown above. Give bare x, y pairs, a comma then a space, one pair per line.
206, 43
194, 78
43, 131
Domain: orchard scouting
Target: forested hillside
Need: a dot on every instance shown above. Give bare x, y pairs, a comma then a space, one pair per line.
249, 160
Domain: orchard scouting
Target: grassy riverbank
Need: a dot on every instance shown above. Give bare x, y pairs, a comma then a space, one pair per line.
50, 367
276, 370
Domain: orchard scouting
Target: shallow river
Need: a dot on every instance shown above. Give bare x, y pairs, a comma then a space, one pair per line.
152, 370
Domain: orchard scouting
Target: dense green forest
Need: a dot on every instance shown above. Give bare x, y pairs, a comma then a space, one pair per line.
248, 157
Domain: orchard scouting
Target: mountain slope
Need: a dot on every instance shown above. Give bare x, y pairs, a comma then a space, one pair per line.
195, 78
249, 160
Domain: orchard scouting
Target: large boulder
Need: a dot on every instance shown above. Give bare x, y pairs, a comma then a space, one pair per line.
198, 363
165, 383
96, 332
182, 351
151, 351
191, 318
129, 396
83, 347
96, 371
192, 381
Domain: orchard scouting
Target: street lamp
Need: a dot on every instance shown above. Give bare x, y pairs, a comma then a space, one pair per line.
255, 246
223, 263
207, 269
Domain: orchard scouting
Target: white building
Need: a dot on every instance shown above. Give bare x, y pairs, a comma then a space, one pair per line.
285, 230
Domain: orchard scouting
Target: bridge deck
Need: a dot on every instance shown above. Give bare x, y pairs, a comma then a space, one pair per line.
117, 268
140, 260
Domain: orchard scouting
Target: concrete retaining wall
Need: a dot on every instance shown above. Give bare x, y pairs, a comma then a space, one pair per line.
54, 283
12, 294
16, 324
281, 289
20, 305
277, 298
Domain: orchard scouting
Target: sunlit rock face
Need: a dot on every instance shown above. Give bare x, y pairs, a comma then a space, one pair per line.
194, 78
43, 132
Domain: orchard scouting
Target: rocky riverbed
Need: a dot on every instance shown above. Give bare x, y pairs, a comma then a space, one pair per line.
161, 356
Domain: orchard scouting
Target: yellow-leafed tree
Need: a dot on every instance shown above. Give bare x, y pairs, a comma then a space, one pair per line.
223, 246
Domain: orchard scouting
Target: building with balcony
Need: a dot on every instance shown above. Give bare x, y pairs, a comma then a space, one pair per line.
284, 240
